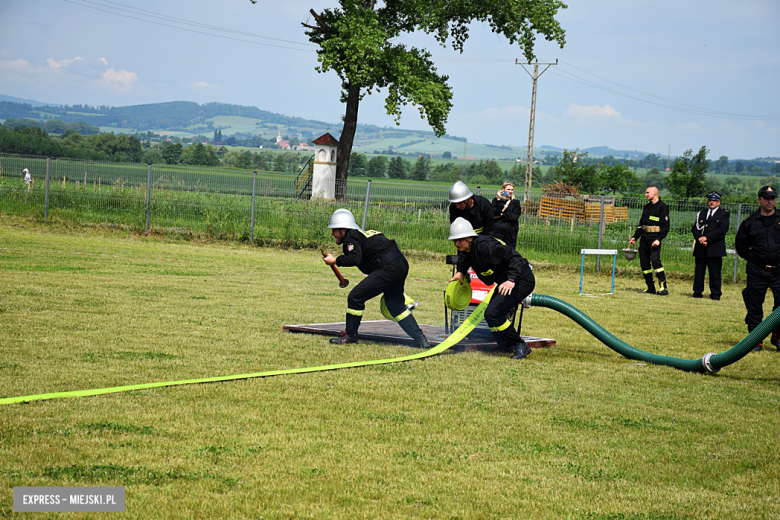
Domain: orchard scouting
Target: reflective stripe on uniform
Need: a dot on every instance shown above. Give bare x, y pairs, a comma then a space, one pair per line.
479, 230
501, 327
649, 271
355, 313
654, 218
659, 270
403, 315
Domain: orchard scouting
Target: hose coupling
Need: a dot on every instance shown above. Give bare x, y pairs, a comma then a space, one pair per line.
526, 303
707, 362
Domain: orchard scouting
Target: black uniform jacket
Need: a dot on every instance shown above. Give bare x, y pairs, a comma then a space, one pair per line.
653, 215
715, 229
505, 224
362, 249
493, 261
758, 239
480, 215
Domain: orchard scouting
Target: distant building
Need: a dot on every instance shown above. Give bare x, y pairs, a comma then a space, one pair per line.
284, 144
304, 147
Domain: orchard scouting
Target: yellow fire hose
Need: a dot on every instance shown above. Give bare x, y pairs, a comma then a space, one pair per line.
462, 331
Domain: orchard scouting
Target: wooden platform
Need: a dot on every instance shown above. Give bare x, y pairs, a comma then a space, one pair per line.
389, 331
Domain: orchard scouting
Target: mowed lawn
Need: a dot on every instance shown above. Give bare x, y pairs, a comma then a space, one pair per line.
575, 431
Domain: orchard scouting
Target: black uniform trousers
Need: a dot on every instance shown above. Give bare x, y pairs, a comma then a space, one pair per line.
754, 293
649, 255
499, 306
388, 279
713, 264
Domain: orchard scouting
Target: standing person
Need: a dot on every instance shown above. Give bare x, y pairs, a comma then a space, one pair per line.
506, 213
379, 258
758, 242
653, 228
709, 247
27, 179
474, 208
495, 263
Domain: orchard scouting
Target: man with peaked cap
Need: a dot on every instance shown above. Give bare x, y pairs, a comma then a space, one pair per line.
758, 242
653, 228
474, 208
378, 257
495, 262
709, 246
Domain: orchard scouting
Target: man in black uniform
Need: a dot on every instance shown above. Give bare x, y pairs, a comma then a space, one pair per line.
653, 228
379, 258
758, 242
474, 208
709, 247
495, 262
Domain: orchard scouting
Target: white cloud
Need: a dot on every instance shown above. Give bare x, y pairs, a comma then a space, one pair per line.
104, 61
16, 65
202, 85
118, 80
575, 110
54, 64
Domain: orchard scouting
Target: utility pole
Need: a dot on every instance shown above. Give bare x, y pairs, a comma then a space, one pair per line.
530, 156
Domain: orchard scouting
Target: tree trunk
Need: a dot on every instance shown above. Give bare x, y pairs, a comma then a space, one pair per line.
346, 140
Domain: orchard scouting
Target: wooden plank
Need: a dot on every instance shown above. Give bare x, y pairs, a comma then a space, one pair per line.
391, 332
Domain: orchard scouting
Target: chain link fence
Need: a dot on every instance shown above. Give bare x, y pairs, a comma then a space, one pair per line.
269, 208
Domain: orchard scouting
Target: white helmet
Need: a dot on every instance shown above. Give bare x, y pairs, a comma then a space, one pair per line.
25, 171
342, 219
459, 192
461, 228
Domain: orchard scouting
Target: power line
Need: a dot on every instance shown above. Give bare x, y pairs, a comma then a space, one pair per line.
200, 25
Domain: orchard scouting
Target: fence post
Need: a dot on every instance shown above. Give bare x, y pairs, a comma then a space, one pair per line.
479, 190
46, 199
365, 206
252, 220
601, 234
736, 256
148, 196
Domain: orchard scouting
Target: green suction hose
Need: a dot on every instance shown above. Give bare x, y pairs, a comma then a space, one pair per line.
711, 362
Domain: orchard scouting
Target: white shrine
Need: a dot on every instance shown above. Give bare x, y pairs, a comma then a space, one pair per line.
323, 183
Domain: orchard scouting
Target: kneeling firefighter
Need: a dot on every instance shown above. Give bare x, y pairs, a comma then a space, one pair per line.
387, 269
495, 262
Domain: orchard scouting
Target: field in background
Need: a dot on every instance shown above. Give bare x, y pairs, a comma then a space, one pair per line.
576, 431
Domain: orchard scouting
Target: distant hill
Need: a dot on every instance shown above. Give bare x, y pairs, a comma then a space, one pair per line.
26, 101
606, 150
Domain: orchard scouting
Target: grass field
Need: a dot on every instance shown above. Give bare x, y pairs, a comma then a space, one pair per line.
576, 431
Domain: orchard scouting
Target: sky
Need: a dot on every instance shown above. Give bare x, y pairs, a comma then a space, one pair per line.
656, 76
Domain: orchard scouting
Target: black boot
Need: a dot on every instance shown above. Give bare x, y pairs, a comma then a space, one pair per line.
650, 284
775, 341
410, 326
351, 334
521, 350
662, 291
760, 346
344, 338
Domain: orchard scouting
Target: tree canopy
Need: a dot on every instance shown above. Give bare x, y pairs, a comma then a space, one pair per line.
688, 177
358, 40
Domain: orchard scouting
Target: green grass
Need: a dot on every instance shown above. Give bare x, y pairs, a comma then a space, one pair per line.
576, 431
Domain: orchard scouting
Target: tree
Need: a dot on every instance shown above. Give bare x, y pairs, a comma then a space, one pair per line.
358, 164
722, 164
377, 166
688, 177
358, 40
654, 177
446, 155
153, 157
739, 167
575, 168
618, 178
172, 153
396, 168
422, 168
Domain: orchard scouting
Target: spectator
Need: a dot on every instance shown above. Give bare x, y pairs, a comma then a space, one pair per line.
28, 179
709, 246
506, 213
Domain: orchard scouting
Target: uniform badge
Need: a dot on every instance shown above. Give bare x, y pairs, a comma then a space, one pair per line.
350, 247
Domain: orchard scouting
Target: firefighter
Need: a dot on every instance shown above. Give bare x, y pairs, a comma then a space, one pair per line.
495, 262
653, 228
474, 208
378, 257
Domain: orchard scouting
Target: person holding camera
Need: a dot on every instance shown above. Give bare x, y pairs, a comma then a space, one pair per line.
506, 213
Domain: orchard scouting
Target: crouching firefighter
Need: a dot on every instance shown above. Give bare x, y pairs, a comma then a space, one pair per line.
379, 258
495, 262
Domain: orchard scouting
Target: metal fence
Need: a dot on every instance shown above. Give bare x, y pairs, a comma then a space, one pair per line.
267, 208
